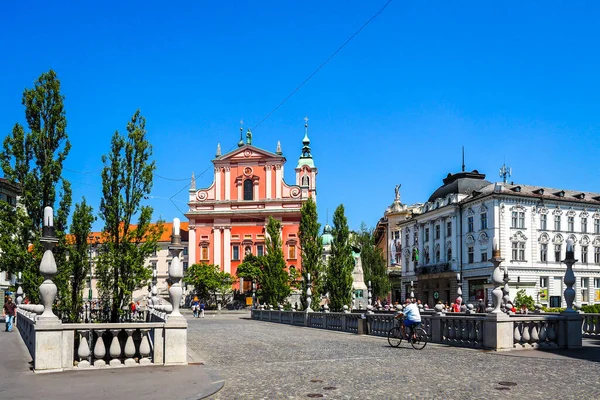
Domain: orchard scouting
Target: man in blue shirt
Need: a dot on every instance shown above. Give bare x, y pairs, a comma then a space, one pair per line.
411, 315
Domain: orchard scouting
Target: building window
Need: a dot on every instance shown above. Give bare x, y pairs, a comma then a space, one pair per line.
515, 217
185, 251
248, 189
406, 261
437, 256
449, 254
518, 219
292, 252
155, 253
484, 256
584, 289
596, 283
483, 220
571, 224
557, 222
470, 224
518, 251
584, 225
204, 253
426, 235
260, 250
305, 180
185, 266
396, 235
544, 252
406, 240
247, 250
543, 222
470, 253
236, 253
596, 255
477, 289
448, 228
596, 225
557, 251
584, 254
544, 282
437, 232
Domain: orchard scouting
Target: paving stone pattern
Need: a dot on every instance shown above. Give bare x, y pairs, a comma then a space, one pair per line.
262, 360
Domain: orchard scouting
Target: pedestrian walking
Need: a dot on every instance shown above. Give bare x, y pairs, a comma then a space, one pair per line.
202, 310
9, 311
480, 306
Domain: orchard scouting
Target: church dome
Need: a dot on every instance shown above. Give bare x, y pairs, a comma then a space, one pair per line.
327, 237
460, 183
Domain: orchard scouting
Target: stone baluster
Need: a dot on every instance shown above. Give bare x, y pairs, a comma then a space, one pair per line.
526, 336
176, 269
99, 350
129, 348
48, 268
543, 335
496, 260
479, 331
83, 351
517, 333
506, 292
115, 349
145, 348
370, 300
551, 333
534, 333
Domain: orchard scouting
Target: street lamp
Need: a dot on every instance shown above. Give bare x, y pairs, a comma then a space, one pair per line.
459, 289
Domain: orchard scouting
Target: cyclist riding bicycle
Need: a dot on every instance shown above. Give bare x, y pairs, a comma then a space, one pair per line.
411, 315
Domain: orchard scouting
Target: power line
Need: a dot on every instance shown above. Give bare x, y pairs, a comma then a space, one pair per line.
325, 62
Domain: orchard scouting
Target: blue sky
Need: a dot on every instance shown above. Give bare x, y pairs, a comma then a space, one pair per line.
509, 81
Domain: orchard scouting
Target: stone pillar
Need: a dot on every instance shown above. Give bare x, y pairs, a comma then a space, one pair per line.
227, 183
227, 249
217, 183
175, 350
278, 178
442, 242
571, 330
268, 180
217, 245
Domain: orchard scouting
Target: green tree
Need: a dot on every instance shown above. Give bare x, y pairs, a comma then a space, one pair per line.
522, 299
274, 280
311, 245
250, 268
341, 263
373, 262
209, 282
78, 262
34, 162
126, 179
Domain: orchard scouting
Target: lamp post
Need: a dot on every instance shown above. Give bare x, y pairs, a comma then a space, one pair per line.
458, 289
569, 276
497, 280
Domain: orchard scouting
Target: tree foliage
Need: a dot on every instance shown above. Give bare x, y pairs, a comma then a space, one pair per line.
274, 279
209, 282
311, 246
34, 161
78, 263
522, 299
341, 263
126, 178
373, 262
250, 268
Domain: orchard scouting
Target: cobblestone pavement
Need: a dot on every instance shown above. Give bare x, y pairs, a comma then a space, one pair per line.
263, 360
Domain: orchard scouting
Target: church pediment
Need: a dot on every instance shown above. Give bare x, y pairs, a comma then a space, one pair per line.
249, 153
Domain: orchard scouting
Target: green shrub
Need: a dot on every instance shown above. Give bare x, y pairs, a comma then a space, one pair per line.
591, 309
524, 300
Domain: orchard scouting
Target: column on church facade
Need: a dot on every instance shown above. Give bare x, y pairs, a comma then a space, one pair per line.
455, 240
421, 235
217, 245
442, 242
217, 183
227, 249
268, 180
278, 181
227, 183
431, 242
192, 245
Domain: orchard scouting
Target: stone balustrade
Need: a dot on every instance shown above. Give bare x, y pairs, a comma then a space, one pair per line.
536, 331
473, 330
591, 325
113, 345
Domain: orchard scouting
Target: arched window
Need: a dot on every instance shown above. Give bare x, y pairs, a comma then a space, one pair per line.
248, 189
305, 180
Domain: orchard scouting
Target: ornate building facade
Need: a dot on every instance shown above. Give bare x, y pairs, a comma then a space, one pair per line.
447, 241
227, 220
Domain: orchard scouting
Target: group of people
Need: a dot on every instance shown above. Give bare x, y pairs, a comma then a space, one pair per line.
198, 308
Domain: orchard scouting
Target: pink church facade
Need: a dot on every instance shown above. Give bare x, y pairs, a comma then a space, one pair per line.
227, 220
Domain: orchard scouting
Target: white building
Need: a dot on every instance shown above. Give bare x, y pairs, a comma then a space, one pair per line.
452, 234
8, 193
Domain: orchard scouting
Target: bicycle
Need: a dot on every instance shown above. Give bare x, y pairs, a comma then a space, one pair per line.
417, 335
